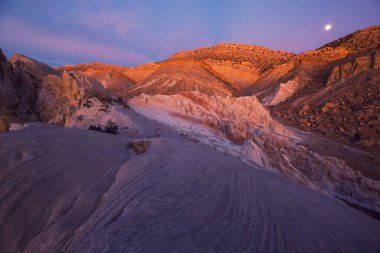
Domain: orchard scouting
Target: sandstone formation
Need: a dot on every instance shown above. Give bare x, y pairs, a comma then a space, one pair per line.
259, 139
33, 91
72, 190
59, 97
113, 78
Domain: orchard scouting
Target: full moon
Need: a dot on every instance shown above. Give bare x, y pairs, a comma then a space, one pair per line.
328, 27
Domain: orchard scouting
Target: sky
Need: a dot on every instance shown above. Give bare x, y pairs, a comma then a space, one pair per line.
130, 33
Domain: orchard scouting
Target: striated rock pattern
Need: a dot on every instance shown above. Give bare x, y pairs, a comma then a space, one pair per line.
70, 190
179, 76
261, 141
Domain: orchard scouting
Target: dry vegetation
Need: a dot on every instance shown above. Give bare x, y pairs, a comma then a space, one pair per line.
139, 147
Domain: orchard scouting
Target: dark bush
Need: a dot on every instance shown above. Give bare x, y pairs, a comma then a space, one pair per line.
96, 128
111, 128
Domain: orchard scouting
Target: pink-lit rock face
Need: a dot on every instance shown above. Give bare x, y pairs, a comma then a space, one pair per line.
257, 138
113, 78
59, 97
234, 117
354, 66
179, 76
33, 91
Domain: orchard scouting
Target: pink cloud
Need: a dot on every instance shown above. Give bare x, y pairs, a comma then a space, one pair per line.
19, 31
115, 20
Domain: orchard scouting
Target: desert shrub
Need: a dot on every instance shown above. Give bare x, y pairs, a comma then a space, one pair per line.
121, 101
111, 127
139, 147
104, 107
96, 128
357, 137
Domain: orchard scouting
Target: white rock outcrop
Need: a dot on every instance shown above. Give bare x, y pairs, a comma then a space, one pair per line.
282, 92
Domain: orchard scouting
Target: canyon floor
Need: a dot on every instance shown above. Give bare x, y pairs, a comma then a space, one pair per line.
74, 190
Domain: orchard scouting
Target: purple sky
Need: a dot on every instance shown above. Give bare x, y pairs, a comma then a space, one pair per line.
134, 32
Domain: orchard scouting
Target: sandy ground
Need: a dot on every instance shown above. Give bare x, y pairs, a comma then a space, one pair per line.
72, 190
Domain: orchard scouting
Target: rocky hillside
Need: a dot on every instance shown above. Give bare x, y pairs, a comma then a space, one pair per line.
332, 90
359, 41
260, 58
240, 64
178, 76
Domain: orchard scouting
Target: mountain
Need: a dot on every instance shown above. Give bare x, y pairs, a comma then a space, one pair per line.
332, 90
227, 69
241, 64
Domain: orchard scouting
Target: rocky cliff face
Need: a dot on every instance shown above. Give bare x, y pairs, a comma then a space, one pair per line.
113, 78
8, 94
60, 96
33, 91
353, 66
